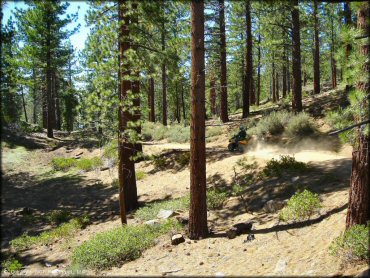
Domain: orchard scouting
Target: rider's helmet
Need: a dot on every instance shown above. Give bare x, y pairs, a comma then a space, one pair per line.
242, 127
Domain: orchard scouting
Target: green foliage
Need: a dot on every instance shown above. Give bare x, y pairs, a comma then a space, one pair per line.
215, 198
29, 128
178, 134
62, 163
300, 125
285, 164
150, 211
140, 175
277, 122
65, 230
11, 265
353, 244
58, 216
339, 119
110, 150
113, 247
183, 159
214, 131
300, 206
86, 164
159, 162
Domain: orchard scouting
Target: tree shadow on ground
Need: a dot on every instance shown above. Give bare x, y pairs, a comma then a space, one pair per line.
69, 192
322, 178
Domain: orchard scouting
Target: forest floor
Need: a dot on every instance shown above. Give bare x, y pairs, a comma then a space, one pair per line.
28, 181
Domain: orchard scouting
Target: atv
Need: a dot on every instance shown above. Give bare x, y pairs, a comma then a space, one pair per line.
233, 146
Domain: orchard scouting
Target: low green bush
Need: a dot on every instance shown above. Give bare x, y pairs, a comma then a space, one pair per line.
11, 265
300, 206
284, 164
59, 216
215, 198
339, 119
178, 133
159, 162
65, 230
88, 164
62, 163
272, 124
110, 150
353, 244
112, 248
300, 125
140, 175
150, 211
183, 159
213, 131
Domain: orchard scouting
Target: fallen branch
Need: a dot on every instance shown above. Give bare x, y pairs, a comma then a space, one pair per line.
349, 127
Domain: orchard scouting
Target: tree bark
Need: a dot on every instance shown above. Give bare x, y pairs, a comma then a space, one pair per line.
135, 85
126, 167
212, 94
183, 102
198, 205
164, 88
50, 106
58, 124
259, 71
273, 83
316, 70
332, 59
24, 106
277, 86
224, 112
248, 57
284, 81
296, 55
358, 206
151, 100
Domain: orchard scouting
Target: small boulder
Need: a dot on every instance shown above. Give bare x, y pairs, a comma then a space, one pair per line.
238, 229
182, 219
164, 214
177, 239
151, 222
273, 206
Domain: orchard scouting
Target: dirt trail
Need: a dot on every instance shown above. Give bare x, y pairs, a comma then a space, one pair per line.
299, 251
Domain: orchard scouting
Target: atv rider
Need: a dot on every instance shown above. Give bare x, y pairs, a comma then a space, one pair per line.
242, 134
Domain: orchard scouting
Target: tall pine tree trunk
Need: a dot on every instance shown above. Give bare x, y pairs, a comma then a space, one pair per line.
198, 206
151, 100
50, 103
358, 205
248, 57
332, 59
259, 71
224, 112
24, 107
135, 85
126, 166
164, 83
212, 94
316, 67
296, 56
34, 90
58, 124
277, 86
183, 102
273, 82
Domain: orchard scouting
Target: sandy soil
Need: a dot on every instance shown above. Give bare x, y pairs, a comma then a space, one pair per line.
278, 249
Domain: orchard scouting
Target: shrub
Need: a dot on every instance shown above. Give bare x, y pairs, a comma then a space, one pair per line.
339, 119
353, 244
58, 216
300, 206
183, 159
212, 131
271, 124
140, 175
150, 211
286, 163
299, 125
113, 247
65, 230
88, 164
215, 198
159, 162
11, 265
62, 163
110, 150
178, 133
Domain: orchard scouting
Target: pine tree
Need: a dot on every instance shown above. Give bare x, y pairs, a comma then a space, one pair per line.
198, 205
